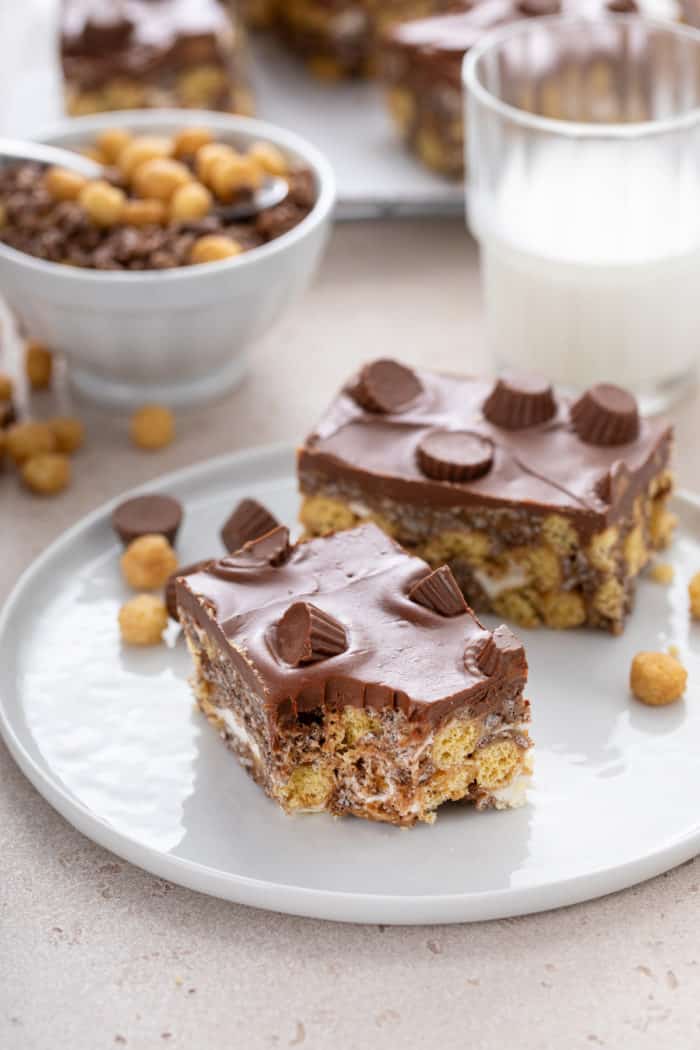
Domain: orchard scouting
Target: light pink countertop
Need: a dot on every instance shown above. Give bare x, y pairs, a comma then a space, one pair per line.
96, 954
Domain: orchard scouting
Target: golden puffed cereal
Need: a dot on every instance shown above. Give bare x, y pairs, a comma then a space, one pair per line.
144, 213
269, 157
69, 433
199, 86
111, 142
38, 364
6, 387
102, 203
148, 562
694, 595
662, 572
64, 185
159, 178
213, 247
141, 149
3, 214
657, 678
142, 620
152, 427
229, 175
191, 201
207, 155
46, 473
25, 440
189, 140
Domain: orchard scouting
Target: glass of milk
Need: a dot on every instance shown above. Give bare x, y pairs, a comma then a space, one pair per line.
584, 193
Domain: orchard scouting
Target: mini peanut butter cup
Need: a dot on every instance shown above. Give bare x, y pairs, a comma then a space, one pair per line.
520, 401
248, 521
171, 590
606, 415
307, 634
145, 515
454, 455
439, 591
386, 386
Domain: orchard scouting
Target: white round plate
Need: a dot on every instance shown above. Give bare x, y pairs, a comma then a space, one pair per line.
111, 738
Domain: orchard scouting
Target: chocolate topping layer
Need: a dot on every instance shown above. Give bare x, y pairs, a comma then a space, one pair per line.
398, 653
545, 468
170, 593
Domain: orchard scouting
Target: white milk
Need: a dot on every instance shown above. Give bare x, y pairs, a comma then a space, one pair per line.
591, 263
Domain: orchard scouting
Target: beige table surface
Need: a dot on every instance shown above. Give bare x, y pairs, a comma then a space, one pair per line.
95, 953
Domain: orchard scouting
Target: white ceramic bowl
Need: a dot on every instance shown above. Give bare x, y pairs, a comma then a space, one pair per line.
176, 336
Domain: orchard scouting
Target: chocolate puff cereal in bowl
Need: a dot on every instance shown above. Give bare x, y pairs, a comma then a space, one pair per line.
155, 277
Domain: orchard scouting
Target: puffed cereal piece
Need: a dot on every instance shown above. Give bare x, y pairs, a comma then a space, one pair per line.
111, 142
270, 158
69, 433
191, 201
102, 202
694, 596
6, 387
141, 149
148, 561
208, 155
144, 213
25, 440
152, 427
47, 474
38, 364
62, 184
662, 572
657, 679
142, 620
229, 175
159, 178
214, 247
189, 140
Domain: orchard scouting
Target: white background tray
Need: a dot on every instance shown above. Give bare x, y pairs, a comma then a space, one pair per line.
110, 737
347, 121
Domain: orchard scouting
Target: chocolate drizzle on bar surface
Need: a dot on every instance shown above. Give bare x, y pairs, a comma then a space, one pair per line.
543, 467
380, 647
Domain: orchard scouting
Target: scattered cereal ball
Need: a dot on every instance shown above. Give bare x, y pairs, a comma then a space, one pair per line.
69, 433
102, 202
271, 159
142, 620
213, 247
152, 426
64, 185
159, 178
25, 440
144, 213
38, 363
47, 473
229, 175
189, 202
6, 387
694, 595
189, 140
148, 561
206, 157
657, 678
662, 572
111, 142
141, 149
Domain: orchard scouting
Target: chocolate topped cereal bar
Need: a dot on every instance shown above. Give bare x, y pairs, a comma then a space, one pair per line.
135, 54
348, 677
546, 508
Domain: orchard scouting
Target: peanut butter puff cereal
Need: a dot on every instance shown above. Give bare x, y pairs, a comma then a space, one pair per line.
694, 595
69, 433
47, 473
25, 440
148, 562
6, 387
152, 427
142, 620
38, 362
657, 679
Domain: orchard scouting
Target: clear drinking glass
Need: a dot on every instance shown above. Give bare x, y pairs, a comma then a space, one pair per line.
584, 193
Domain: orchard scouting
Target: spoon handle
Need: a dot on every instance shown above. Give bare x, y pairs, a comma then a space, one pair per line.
13, 151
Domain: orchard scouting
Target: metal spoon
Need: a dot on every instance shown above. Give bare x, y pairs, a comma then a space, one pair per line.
15, 151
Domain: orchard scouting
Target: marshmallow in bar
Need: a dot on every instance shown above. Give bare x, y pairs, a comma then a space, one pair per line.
420, 63
350, 678
545, 507
339, 38
134, 54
